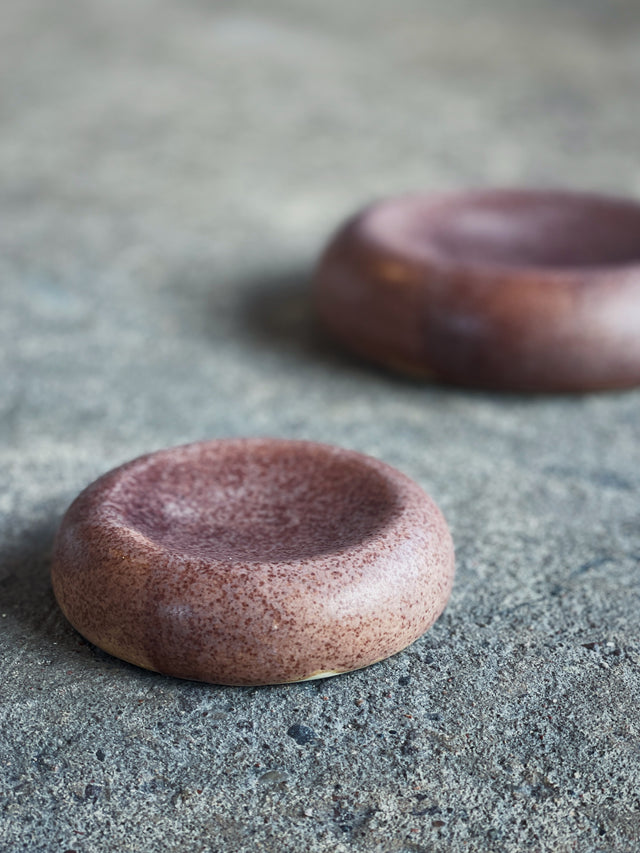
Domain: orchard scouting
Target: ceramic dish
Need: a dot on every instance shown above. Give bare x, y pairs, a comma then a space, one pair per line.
519, 290
253, 561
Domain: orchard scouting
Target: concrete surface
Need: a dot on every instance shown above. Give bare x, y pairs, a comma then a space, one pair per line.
168, 172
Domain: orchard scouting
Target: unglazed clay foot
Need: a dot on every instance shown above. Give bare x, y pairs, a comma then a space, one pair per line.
508, 289
253, 561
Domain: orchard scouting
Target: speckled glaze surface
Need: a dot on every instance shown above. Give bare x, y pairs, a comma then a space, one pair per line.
253, 561
508, 289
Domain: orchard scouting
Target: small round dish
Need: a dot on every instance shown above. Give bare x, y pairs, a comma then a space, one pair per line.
253, 561
518, 290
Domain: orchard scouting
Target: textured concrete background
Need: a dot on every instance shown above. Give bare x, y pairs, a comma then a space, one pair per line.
168, 172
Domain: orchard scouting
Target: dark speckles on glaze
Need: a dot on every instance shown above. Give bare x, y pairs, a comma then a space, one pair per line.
253, 561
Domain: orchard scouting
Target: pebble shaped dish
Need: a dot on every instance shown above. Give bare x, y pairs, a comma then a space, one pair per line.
518, 290
253, 561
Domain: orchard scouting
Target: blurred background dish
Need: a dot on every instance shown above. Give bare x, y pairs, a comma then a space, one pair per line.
517, 290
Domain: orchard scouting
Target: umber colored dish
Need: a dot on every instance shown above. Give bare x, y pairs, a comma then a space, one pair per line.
253, 561
507, 289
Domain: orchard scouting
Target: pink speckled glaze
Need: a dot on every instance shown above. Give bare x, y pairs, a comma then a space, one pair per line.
253, 561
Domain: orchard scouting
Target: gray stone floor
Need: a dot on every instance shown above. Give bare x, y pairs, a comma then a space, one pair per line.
168, 172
